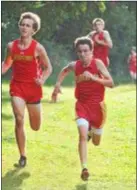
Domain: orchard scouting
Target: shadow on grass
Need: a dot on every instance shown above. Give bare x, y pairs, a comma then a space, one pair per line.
49, 101
5, 97
8, 140
13, 179
6, 116
82, 187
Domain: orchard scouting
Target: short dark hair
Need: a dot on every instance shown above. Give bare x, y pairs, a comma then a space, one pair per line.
36, 19
83, 40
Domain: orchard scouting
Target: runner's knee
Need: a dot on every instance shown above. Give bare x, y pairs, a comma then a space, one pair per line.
82, 137
97, 135
96, 143
81, 122
19, 119
35, 127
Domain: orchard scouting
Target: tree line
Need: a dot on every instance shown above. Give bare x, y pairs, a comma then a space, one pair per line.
63, 21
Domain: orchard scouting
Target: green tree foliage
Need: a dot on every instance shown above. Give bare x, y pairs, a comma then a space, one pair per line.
63, 21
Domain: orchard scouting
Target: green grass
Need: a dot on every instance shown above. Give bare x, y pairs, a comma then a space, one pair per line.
53, 162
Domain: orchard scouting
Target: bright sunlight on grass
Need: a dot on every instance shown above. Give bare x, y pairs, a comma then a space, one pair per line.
53, 162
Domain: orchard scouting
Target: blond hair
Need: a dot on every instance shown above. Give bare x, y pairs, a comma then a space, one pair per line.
98, 20
36, 20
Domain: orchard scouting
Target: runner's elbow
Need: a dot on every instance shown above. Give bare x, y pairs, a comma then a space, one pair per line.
111, 45
112, 84
50, 69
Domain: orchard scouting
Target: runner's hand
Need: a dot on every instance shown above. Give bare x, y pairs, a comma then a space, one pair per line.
39, 81
97, 39
55, 93
87, 75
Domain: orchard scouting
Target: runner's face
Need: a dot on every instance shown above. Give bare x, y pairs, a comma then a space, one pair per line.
84, 52
26, 28
99, 26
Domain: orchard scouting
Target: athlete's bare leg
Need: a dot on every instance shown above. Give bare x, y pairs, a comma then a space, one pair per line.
96, 139
82, 144
18, 106
34, 111
83, 151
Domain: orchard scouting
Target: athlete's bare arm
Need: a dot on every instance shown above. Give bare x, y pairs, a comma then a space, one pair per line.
106, 80
91, 34
64, 72
7, 63
47, 68
128, 61
108, 40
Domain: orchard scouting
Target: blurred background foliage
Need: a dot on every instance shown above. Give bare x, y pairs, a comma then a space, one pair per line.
63, 21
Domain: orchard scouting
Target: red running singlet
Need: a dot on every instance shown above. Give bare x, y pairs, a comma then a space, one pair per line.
25, 66
90, 96
100, 51
88, 91
133, 63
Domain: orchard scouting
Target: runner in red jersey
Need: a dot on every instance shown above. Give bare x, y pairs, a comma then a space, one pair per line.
102, 41
91, 77
24, 55
132, 62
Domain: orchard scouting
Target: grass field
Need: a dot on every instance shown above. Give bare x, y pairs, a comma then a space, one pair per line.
53, 162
